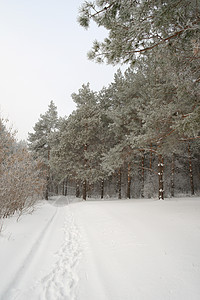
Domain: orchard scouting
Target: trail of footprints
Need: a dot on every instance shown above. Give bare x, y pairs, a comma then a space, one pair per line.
61, 282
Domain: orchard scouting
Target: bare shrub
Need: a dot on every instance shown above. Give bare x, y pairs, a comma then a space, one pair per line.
22, 180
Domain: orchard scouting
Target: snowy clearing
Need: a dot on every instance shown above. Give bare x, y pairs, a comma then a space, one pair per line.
103, 250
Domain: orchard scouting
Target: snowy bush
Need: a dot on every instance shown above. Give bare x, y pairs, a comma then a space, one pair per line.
22, 180
21, 184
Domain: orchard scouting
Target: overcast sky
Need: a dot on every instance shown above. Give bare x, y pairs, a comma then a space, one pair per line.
43, 57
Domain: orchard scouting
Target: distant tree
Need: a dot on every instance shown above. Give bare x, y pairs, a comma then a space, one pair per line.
123, 117
41, 140
7, 141
81, 141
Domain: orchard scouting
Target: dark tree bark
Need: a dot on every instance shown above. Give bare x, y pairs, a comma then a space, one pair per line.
77, 190
89, 190
160, 177
150, 161
48, 176
102, 188
142, 174
65, 187
190, 170
47, 189
172, 174
129, 182
85, 182
119, 184
84, 189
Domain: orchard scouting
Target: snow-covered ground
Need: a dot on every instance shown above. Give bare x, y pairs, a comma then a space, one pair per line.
103, 250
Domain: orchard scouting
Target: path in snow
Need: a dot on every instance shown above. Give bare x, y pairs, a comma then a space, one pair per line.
61, 282
47, 268
129, 249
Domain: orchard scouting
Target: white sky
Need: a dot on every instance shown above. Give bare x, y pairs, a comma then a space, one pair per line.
43, 57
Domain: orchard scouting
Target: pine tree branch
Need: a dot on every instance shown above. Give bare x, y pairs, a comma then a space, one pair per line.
189, 139
145, 168
159, 139
161, 42
102, 10
149, 150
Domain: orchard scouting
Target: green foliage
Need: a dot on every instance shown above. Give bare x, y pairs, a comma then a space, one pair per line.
41, 140
81, 140
138, 26
152, 108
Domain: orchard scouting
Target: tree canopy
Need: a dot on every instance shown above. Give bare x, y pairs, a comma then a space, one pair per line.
136, 26
145, 117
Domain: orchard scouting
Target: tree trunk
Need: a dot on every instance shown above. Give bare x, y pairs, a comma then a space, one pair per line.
89, 190
77, 189
129, 182
102, 188
150, 161
160, 177
84, 189
48, 175
142, 163
119, 184
85, 166
172, 174
191, 170
47, 189
65, 187
56, 189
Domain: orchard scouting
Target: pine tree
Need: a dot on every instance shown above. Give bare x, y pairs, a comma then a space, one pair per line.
42, 139
167, 31
124, 121
139, 26
80, 141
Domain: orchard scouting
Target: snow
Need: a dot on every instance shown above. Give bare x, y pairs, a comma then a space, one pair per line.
103, 250
39, 253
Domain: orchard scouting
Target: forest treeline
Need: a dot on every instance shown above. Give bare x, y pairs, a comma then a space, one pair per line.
138, 137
